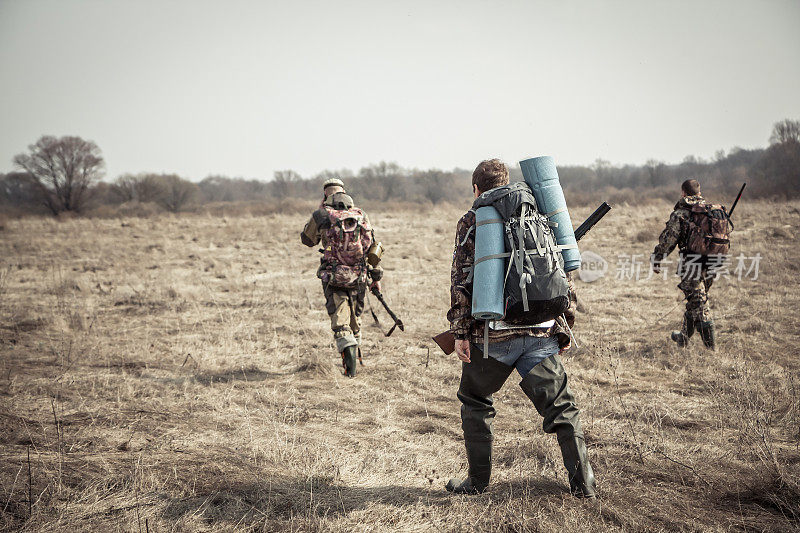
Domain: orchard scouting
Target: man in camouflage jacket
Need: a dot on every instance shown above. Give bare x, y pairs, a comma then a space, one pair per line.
344, 305
693, 269
532, 349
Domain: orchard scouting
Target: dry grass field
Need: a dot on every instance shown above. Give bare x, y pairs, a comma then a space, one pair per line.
176, 373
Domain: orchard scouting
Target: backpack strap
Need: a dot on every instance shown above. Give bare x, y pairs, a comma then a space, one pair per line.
470, 230
470, 270
519, 257
486, 339
487, 257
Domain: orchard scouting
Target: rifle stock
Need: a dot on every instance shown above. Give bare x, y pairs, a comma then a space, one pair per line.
446, 341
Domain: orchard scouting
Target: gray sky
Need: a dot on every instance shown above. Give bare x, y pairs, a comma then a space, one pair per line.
243, 88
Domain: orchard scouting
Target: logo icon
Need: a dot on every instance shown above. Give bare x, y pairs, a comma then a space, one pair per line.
593, 267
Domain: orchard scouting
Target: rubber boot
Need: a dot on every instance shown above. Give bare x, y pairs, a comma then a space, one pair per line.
480, 378
681, 338
709, 334
349, 356
546, 386
581, 476
479, 457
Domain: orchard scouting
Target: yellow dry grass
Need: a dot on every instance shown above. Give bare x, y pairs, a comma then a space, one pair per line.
177, 374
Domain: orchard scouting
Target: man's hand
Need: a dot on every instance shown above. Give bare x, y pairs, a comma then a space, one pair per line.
565, 347
462, 349
375, 286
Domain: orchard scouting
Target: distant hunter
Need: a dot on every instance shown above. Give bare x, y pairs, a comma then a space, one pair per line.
701, 231
348, 240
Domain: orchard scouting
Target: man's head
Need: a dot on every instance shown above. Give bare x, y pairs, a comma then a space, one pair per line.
488, 175
690, 188
332, 186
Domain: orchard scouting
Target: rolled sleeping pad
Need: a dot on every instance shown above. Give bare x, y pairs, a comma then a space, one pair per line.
488, 274
540, 173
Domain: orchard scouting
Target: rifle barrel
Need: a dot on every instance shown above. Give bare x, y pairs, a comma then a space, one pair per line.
397, 322
593, 219
737, 199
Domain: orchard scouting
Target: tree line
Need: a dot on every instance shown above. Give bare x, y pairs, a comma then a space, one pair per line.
65, 174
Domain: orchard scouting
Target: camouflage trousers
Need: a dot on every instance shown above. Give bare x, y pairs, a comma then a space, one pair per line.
344, 307
695, 285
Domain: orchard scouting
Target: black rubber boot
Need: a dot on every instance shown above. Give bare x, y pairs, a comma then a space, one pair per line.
349, 356
682, 337
581, 476
679, 339
479, 457
480, 378
546, 386
709, 334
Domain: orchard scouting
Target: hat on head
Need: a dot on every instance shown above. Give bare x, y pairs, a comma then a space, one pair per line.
331, 182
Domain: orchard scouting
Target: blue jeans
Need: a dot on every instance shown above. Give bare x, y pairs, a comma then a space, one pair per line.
524, 353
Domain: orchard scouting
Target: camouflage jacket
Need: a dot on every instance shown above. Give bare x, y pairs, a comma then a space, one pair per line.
677, 231
315, 231
462, 324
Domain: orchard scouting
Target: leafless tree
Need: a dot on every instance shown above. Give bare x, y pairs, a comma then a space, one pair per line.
388, 178
655, 171
176, 192
139, 187
125, 187
18, 189
64, 169
785, 131
602, 168
436, 185
284, 183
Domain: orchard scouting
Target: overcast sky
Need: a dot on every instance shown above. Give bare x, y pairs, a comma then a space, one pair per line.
244, 88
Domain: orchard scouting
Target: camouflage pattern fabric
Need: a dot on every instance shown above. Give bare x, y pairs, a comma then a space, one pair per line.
316, 232
345, 306
695, 280
462, 324
695, 286
349, 236
346, 326
677, 231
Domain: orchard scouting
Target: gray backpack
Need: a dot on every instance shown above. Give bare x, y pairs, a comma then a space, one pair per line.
536, 287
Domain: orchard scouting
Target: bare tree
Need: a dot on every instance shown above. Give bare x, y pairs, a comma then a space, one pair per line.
389, 179
19, 189
139, 187
124, 187
284, 183
602, 168
64, 170
436, 185
785, 131
176, 192
655, 171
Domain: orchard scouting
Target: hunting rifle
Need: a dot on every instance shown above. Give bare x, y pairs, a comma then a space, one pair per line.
397, 322
446, 340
